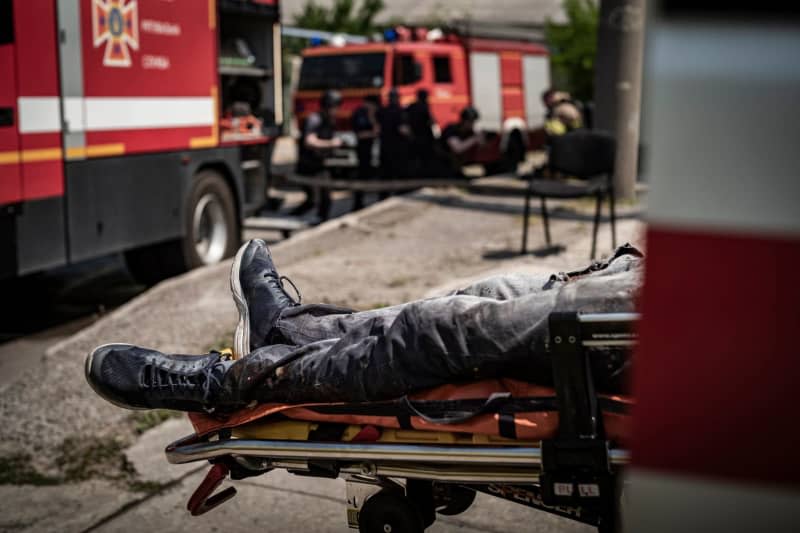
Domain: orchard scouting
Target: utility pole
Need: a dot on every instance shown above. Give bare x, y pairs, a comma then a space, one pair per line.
618, 84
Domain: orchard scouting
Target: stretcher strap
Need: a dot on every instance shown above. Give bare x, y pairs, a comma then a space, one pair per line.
457, 417
507, 426
455, 411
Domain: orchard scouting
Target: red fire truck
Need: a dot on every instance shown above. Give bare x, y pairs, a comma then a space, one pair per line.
503, 79
142, 126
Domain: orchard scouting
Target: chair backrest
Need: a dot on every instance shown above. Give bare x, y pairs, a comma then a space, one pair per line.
582, 153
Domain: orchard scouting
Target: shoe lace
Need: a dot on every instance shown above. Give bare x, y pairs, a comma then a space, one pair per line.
296, 290
207, 378
280, 280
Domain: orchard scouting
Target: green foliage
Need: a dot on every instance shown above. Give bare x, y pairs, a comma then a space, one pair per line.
343, 16
99, 457
573, 47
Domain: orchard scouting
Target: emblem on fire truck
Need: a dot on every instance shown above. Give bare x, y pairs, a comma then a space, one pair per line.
115, 23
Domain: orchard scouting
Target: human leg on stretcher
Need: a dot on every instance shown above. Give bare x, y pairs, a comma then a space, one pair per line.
292, 353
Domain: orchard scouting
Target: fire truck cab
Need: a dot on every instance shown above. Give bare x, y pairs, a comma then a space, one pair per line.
502, 79
136, 126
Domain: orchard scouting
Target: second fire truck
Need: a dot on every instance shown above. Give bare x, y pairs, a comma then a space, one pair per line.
502, 78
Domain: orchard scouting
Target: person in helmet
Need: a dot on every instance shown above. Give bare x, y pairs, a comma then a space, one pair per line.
563, 113
317, 139
458, 139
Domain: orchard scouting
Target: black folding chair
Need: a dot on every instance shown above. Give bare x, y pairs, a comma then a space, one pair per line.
580, 164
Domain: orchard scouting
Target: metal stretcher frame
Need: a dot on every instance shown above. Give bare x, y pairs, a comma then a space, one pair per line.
573, 475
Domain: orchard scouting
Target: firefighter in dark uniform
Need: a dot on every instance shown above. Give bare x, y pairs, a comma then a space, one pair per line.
365, 126
420, 122
456, 140
394, 135
316, 141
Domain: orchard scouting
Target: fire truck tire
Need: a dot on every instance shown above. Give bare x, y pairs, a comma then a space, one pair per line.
211, 228
211, 233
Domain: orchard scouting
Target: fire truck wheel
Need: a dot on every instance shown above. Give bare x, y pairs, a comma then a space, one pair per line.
211, 233
211, 230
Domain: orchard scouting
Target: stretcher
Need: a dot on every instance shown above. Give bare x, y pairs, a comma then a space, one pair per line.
560, 449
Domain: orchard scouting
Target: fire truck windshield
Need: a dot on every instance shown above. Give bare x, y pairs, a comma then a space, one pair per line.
337, 71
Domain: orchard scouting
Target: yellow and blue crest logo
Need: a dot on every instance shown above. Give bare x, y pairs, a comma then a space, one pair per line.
115, 23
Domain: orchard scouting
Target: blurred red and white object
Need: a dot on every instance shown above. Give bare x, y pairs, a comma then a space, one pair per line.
717, 374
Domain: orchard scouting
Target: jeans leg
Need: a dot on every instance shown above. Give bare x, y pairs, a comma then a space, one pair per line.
506, 287
509, 286
314, 322
308, 323
442, 340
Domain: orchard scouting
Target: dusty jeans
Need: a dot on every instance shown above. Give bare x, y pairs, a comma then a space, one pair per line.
495, 328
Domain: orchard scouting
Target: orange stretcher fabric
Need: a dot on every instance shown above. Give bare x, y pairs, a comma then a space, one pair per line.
535, 425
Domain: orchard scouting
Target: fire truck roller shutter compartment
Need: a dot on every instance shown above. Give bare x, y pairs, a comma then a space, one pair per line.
536, 79
485, 69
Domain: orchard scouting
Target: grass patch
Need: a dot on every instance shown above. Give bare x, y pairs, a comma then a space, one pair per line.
144, 420
80, 459
147, 487
13, 526
17, 470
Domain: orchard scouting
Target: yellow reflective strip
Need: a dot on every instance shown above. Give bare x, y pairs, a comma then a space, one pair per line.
41, 154
9, 158
212, 14
202, 142
102, 150
76, 152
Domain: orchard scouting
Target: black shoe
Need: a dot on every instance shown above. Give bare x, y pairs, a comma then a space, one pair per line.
138, 378
258, 294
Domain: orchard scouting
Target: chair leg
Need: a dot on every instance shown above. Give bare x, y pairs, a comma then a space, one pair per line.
525, 216
596, 224
546, 221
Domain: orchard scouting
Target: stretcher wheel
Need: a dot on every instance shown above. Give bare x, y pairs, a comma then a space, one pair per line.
389, 512
453, 499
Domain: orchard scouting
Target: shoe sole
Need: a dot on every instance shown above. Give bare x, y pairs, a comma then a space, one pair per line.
241, 337
87, 370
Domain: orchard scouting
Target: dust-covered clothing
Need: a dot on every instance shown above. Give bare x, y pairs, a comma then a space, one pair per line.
495, 328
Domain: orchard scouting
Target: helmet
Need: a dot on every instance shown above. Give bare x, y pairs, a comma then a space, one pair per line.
469, 113
330, 98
